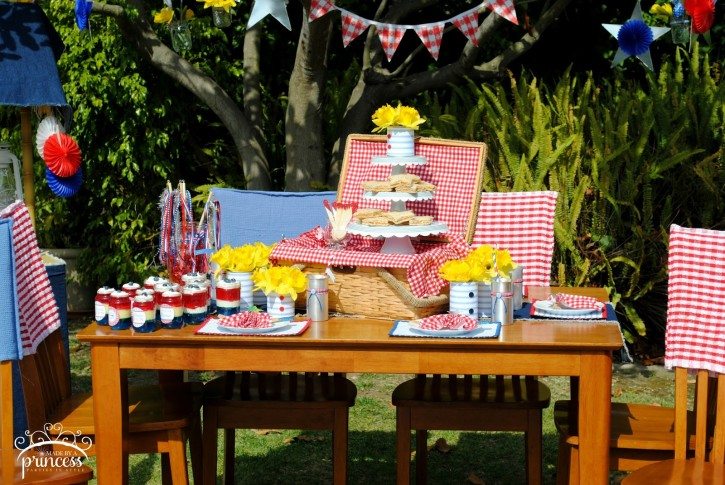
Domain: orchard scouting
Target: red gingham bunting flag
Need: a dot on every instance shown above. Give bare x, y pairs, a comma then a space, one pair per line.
431, 35
390, 37
352, 26
467, 23
523, 223
695, 336
319, 8
504, 8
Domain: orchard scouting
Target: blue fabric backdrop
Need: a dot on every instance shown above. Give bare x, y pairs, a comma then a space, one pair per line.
248, 216
29, 48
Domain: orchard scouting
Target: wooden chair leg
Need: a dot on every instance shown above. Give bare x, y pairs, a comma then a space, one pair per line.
339, 447
421, 456
402, 445
574, 465
533, 438
177, 458
209, 440
196, 451
563, 458
229, 448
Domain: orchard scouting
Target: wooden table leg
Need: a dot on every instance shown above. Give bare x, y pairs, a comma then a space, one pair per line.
595, 388
110, 404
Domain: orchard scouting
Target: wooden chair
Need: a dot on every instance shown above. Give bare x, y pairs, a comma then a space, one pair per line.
11, 470
694, 341
486, 403
161, 418
708, 464
282, 400
642, 434
276, 401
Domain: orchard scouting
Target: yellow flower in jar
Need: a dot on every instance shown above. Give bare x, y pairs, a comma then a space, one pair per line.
384, 117
283, 280
227, 5
409, 117
164, 16
456, 270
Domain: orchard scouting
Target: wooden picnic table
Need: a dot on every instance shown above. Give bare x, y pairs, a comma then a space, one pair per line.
581, 349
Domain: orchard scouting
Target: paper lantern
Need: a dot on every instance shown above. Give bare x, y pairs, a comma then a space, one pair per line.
48, 126
62, 155
64, 186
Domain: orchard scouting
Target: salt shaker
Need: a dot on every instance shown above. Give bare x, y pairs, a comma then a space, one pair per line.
317, 302
502, 308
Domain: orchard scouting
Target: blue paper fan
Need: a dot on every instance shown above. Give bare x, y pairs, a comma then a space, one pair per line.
64, 186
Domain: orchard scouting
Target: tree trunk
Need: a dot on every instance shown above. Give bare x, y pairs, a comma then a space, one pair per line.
306, 167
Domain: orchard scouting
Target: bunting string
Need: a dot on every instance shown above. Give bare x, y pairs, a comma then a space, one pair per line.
430, 34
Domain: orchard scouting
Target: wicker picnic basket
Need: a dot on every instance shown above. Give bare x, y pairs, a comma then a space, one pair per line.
385, 292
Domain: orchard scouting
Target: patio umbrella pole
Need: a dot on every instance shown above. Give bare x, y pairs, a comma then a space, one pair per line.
27, 144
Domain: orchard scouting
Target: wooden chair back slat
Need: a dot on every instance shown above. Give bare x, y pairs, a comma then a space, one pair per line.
701, 414
681, 436
718, 441
46, 380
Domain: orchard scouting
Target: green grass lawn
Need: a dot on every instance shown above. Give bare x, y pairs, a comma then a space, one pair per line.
266, 457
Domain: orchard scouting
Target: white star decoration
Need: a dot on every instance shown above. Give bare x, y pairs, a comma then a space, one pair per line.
620, 56
275, 8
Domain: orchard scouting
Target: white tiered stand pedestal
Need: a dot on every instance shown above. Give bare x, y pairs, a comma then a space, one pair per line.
397, 238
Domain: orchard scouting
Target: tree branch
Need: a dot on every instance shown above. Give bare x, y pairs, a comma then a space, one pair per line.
142, 36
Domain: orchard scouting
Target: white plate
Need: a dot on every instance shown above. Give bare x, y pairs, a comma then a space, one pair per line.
442, 333
547, 307
276, 326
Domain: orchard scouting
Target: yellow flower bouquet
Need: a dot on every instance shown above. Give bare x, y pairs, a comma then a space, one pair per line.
283, 280
243, 259
480, 265
486, 263
403, 116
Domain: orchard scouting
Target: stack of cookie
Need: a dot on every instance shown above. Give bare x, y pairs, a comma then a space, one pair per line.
380, 218
405, 182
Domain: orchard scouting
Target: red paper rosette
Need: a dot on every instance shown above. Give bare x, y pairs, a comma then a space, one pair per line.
702, 13
62, 155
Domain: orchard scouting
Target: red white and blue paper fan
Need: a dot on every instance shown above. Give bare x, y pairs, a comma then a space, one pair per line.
48, 126
64, 186
62, 155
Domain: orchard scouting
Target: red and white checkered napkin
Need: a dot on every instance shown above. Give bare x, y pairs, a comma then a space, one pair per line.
447, 321
578, 302
695, 336
246, 320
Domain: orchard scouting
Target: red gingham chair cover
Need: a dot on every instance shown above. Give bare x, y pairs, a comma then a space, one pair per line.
38, 313
523, 223
695, 336
455, 167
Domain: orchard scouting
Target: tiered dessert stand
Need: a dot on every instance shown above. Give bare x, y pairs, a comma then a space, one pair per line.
397, 238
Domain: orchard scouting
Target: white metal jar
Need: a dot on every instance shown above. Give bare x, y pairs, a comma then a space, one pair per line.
484, 299
280, 306
463, 298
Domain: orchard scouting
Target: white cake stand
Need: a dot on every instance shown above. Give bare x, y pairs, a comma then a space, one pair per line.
397, 238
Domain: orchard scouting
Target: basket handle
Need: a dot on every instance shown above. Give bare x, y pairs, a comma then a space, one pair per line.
408, 297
